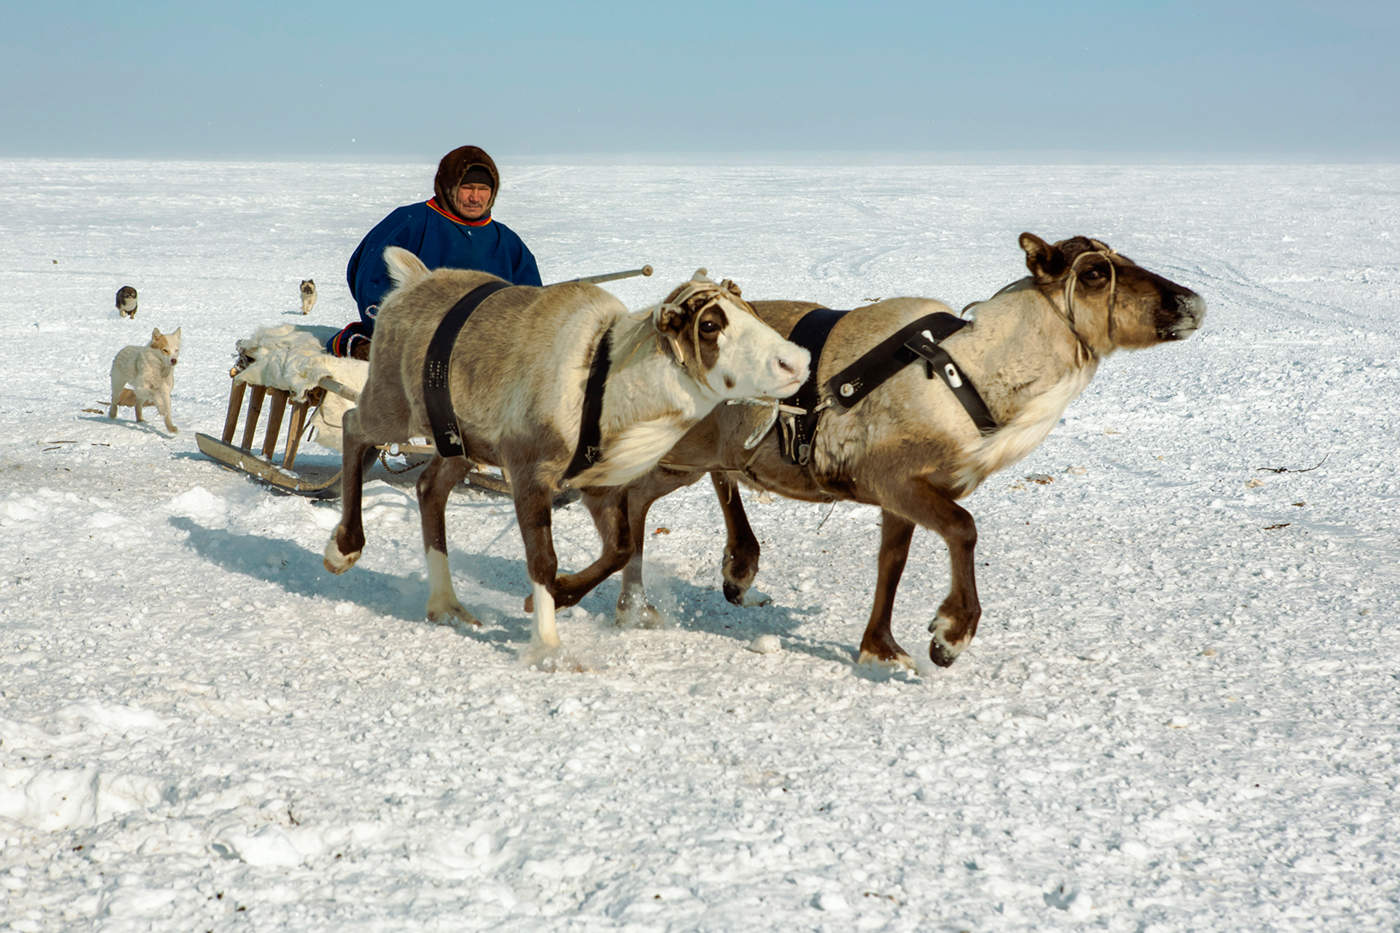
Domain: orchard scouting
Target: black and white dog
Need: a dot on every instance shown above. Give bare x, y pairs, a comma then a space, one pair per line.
126, 301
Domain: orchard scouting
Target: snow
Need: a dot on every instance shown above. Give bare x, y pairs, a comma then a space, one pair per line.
1179, 713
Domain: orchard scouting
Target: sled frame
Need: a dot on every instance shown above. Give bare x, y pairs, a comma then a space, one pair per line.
261, 462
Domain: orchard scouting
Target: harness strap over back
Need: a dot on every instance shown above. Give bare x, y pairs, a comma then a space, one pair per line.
590, 430
919, 340
810, 333
437, 395
916, 341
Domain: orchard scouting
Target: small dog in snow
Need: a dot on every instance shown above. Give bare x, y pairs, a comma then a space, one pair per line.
150, 371
308, 295
126, 301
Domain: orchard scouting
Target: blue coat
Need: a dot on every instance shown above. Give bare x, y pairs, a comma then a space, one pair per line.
439, 239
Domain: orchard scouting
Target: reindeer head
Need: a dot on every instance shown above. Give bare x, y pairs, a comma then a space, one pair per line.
708, 330
1109, 300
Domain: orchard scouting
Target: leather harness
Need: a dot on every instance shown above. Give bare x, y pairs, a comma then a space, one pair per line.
437, 394
590, 430
918, 340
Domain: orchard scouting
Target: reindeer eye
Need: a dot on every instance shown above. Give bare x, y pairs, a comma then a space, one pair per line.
1094, 275
709, 328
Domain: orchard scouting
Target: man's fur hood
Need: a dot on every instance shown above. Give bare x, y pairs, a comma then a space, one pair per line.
453, 168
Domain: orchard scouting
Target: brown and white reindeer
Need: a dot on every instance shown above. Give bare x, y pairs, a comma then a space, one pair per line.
910, 447
515, 383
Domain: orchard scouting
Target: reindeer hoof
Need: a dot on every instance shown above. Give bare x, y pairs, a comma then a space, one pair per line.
336, 562
942, 654
634, 610
450, 613
899, 659
639, 615
942, 650
745, 595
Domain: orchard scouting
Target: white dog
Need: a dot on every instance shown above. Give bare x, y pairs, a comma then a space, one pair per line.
150, 371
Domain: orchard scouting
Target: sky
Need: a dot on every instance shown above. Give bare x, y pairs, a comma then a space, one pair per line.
1151, 79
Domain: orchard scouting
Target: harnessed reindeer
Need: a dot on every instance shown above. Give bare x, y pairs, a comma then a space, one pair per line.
557, 385
910, 443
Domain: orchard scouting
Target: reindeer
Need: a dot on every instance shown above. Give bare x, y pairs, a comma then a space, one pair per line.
910, 447
512, 388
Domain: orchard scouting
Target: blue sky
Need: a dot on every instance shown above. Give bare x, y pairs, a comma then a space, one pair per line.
1216, 79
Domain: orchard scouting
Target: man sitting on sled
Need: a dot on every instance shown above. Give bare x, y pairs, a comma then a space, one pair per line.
454, 228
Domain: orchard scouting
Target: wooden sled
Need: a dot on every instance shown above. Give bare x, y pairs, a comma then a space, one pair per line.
261, 463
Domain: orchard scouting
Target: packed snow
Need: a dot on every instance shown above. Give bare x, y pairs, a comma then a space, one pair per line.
1181, 710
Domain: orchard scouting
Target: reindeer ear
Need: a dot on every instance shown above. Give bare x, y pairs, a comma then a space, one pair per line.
669, 321
1045, 261
732, 287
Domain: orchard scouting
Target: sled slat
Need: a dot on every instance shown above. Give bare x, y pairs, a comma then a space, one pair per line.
255, 405
235, 408
274, 421
294, 429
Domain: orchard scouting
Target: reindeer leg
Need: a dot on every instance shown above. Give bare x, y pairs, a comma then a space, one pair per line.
632, 602
877, 644
533, 514
633, 607
348, 539
957, 617
741, 548
610, 519
434, 485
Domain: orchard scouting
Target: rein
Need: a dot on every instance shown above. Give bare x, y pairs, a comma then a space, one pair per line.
1072, 280
691, 289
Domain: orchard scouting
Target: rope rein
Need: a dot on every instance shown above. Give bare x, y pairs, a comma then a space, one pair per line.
1072, 280
714, 292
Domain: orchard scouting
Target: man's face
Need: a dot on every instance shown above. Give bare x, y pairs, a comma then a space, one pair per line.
471, 200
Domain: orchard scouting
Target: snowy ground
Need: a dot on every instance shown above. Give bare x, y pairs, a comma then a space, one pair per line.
1180, 713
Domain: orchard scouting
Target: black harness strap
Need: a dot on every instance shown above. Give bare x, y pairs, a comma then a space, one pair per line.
810, 333
437, 394
590, 429
919, 340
